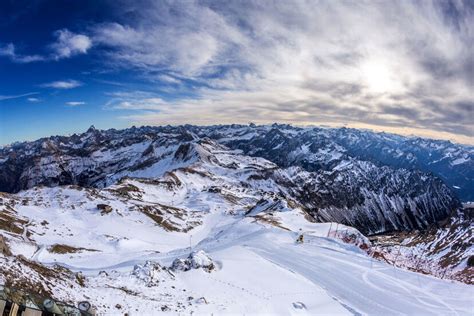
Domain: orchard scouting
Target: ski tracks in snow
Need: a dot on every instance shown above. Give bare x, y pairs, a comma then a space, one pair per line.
351, 282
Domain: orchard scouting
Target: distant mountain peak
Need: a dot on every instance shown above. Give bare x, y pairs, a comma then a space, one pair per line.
91, 129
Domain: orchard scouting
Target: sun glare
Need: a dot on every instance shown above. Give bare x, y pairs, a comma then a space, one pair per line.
378, 77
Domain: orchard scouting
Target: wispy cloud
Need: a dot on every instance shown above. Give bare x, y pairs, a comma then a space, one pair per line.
66, 84
8, 50
75, 103
33, 100
110, 82
390, 64
17, 96
67, 44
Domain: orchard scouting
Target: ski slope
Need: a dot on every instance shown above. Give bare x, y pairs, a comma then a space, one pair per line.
357, 282
366, 286
260, 269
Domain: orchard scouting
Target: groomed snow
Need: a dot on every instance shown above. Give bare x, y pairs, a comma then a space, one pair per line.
259, 269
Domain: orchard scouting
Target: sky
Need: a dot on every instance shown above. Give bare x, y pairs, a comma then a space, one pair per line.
396, 66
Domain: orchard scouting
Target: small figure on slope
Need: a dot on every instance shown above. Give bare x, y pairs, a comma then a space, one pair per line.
300, 237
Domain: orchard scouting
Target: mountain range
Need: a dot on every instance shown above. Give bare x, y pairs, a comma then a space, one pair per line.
80, 211
367, 180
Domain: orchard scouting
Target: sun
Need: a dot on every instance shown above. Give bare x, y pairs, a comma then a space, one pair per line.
378, 77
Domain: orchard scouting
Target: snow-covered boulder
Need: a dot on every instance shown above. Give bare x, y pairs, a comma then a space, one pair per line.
196, 260
149, 273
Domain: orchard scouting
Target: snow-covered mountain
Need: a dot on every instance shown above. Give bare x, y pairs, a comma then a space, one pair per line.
204, 219
323, 148
308, 167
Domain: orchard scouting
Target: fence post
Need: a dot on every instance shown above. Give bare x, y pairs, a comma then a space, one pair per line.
444, 273
396, 257
190, 243
329, 231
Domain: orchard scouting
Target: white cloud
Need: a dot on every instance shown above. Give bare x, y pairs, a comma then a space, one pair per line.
66, 84
33, 100
75, 103
190, 43
384, 63
69, 44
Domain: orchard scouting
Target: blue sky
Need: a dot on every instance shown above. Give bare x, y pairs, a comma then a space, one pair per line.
397, 66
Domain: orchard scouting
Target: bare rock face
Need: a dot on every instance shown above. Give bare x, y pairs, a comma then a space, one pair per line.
104, 208
196, 260
4, 249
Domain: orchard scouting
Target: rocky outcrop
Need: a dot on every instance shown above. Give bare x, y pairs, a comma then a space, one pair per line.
196, 260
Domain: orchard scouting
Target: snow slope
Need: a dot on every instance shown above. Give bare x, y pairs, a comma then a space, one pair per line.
258, 266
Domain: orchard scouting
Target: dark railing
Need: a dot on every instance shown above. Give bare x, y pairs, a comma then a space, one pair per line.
17, 302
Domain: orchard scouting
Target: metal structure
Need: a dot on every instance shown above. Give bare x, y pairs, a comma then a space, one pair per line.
16, 302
